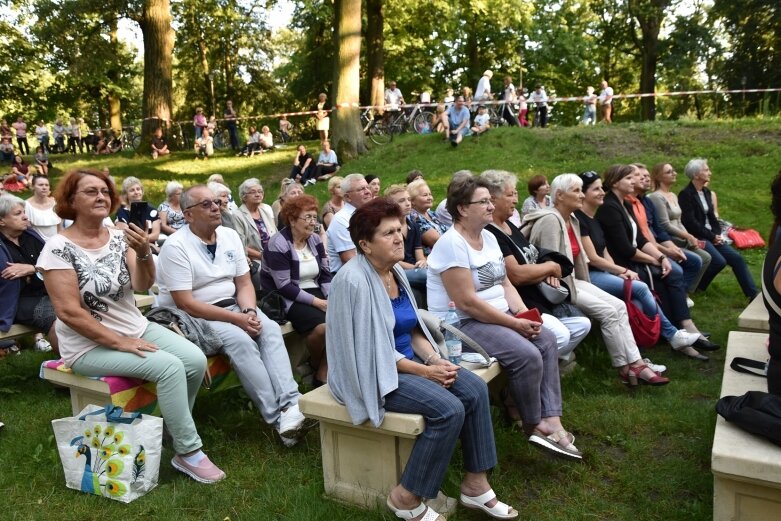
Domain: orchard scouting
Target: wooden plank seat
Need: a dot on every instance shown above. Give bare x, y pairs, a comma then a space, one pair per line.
134, 394
754, 317
746, 468
362, 463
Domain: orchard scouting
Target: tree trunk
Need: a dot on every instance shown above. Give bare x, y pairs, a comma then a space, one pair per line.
375, 51
158, 48
203, 52
649, 15
347, 134
114, 103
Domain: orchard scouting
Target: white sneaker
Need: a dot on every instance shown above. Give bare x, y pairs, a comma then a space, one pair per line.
42, 345
689, 302
290, 422
683, 338
310, 182
657, 368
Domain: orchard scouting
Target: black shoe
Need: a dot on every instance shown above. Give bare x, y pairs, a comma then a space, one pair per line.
705, 345
454, 144
705, 334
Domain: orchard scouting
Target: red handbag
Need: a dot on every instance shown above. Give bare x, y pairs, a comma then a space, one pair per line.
747, 238
645, 330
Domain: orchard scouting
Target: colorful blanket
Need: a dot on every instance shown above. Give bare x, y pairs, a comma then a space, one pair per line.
134, 394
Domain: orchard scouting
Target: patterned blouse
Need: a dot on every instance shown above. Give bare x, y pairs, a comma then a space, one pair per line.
425, 225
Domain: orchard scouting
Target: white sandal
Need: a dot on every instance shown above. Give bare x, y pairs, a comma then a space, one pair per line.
498, 511
430, 513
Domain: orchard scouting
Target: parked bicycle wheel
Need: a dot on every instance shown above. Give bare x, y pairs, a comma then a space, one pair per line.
222, 139
135, 141
423, 123
379, 133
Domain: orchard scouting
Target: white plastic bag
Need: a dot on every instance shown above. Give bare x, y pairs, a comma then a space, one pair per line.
108, 453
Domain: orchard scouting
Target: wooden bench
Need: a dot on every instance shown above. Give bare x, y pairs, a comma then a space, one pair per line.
84, 390
746, 468
754, 317
362, 463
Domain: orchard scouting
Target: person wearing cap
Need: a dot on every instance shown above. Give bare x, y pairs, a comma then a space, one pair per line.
483, 90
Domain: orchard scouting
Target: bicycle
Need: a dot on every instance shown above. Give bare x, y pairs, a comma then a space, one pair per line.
221, 138
382, 128
180, 138
129, 139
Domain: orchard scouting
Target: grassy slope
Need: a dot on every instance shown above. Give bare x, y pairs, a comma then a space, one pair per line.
648, 450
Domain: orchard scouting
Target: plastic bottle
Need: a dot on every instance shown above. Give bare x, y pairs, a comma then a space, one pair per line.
452, 342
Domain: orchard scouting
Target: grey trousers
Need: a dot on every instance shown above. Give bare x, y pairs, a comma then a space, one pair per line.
532, 367
261, 364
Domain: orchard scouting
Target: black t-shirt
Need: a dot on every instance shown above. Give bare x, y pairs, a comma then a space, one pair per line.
412, 242
158, 142
302, 159
590, 227
27, 253
528, 254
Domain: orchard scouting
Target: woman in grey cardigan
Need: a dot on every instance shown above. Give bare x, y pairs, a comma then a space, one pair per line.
387, 360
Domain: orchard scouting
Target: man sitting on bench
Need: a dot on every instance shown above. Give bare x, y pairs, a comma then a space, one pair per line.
204, 272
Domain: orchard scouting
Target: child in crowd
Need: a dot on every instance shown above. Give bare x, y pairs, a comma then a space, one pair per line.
482, 121
42, 160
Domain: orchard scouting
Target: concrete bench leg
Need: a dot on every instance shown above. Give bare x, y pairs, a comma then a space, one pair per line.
735, 500
360, 467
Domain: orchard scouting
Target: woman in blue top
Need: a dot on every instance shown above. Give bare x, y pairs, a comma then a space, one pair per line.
387, 361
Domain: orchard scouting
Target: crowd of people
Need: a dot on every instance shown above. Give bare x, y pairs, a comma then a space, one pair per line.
576, 245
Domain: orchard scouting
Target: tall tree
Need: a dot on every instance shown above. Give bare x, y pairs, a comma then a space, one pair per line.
649, 15
155, 22
375, 51
347, 133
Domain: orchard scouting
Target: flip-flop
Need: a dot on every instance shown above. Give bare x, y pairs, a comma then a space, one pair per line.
498, 511
551, 443
430, 513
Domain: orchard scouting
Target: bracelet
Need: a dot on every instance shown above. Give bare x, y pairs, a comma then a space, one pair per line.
249, 310
661, 257
432, 355
144, 257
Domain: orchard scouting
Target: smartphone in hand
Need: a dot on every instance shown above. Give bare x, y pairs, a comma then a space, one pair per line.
138, 214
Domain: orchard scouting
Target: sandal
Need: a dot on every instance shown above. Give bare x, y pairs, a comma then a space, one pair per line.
430, 513
692, 353
551, 443
498, 511
634, 375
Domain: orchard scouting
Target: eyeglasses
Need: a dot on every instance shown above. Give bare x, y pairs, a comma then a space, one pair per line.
206, 204
588, 175
309, 218
481, 202
93, 192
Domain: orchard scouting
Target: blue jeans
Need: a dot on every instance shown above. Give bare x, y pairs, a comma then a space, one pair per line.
688, 269
462, 411
722, 255
641, 295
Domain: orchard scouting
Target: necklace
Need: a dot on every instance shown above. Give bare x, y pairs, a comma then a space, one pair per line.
388, 282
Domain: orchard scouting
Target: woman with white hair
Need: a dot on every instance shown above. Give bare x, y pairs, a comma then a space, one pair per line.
171, 214
558, 229
255, 221
223, 194
133, 191
431, 228
699, 219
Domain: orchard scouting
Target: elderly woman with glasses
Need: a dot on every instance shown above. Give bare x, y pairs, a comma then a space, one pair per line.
467, 267
431, 228
295, 264
388, 361
255, 220
91, 273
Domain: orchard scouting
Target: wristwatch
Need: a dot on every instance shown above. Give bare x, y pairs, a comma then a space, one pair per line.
249, 310
661, 258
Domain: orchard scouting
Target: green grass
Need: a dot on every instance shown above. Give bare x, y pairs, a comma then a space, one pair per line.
647, 450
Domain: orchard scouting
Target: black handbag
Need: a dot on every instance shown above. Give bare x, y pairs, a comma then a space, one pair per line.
755, 412
272, 305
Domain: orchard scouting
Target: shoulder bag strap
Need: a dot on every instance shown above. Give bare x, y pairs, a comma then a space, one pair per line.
742, 365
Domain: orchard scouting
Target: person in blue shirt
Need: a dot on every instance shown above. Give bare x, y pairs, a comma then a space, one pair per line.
458, 118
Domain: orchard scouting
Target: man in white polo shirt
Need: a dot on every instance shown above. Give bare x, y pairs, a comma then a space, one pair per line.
340, 247
202, 270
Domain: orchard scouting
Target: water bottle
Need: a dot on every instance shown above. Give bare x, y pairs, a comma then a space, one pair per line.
452, 342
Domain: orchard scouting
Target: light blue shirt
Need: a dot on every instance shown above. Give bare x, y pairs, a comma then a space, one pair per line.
456, 117
330, 157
